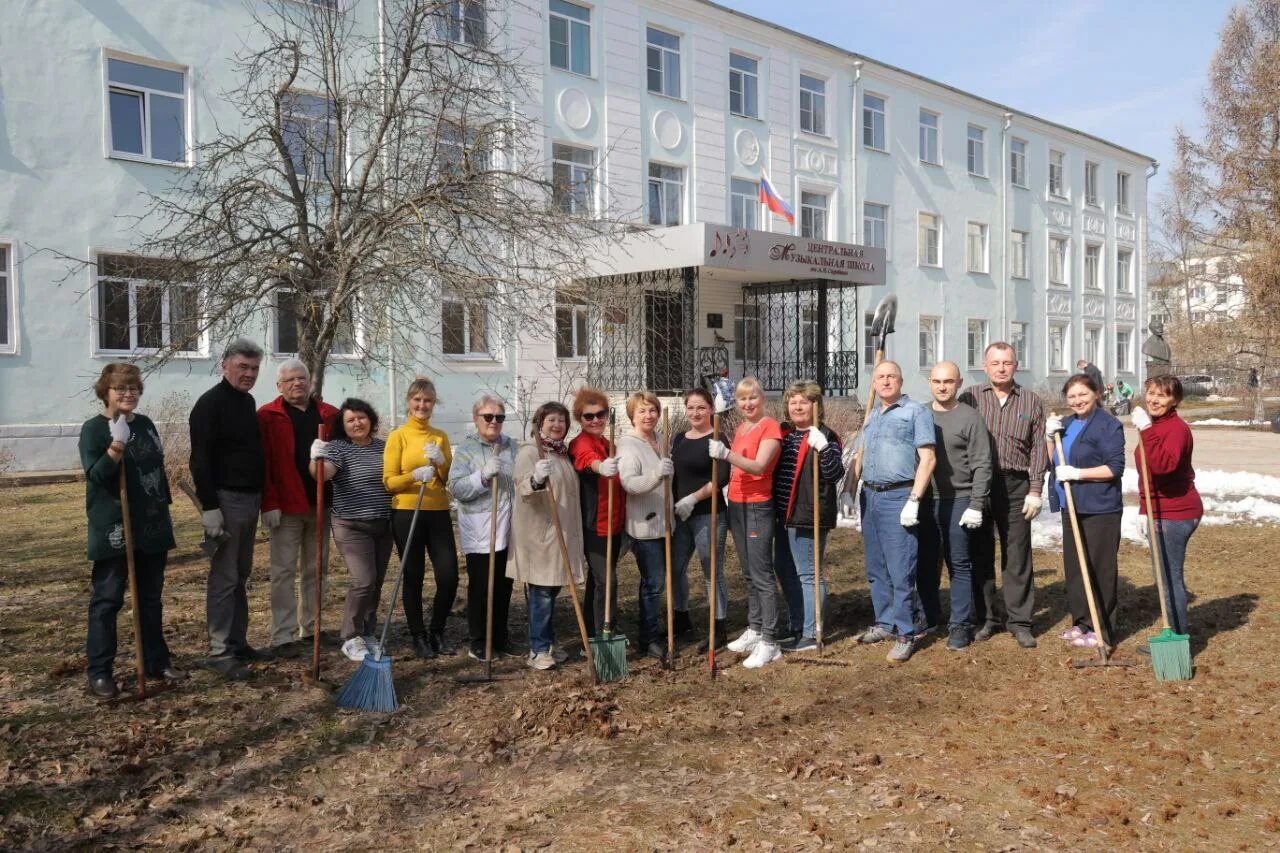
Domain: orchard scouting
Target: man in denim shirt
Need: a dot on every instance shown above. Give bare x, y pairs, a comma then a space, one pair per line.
897, 459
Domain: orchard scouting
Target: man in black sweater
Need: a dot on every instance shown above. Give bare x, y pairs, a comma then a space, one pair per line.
227, 467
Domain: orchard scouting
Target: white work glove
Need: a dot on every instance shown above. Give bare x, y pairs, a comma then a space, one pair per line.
609, 467
1067, 473
666, 467
491, 468
846, 504
424, 473
971, 518
1139, 418
271, 519
119, 428
211, 519
684, 506
433, 453
1052, 425
319, 449
1031, 506
816, 439
717, 449
910, 514
541, 471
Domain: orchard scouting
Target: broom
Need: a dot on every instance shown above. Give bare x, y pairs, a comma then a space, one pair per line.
1170, 651
610, 650
371, 687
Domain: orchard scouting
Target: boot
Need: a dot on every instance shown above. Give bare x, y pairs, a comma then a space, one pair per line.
422, 647
722, 637
685, 632
441, 646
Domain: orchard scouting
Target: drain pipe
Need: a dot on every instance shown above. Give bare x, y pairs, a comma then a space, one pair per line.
1141, 315
392, 402
1004, 227
854, 142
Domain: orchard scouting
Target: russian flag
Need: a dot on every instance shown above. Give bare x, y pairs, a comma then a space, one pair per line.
770, 199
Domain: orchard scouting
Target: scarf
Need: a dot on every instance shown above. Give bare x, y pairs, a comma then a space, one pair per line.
553, 445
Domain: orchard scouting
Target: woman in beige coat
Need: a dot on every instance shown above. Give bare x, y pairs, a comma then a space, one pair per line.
536, 557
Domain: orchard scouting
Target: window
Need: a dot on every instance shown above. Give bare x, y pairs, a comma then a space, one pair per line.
875, 225
1018, 337
977, 145
1220, 295
746, 332
147, 111
744, 203
1122, 192
461, 22
570, 37
1057, 165
928, 248
1018, 162
1124, 350
1058, 260
1092, 264
744, 86
976, 342
464, 328
290, 317
1198, 292
929, 137
813, 104
142, 306
813, 215
1058, 352
868, 340
1093, 345
310, 132
1020, 255
930, 341
1091, 184
666, 194
8, 328
662, 50
873, 121
573, 178
976, 247
571, 328
1124, 268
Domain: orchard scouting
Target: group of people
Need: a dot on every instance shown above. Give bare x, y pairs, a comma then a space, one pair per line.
936, 483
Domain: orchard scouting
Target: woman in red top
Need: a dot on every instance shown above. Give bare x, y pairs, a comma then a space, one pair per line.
1166, 438
590, 453
753, 454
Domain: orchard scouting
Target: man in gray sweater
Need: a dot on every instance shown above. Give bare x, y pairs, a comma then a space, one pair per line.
961, 487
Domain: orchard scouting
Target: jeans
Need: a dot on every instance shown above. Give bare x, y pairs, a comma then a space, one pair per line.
1174, 536
652, 560
891, 554
595, 547
784, 566
293, 576
110, 579
801, 547
227, 593
542, 611
695, 534
365, 546
752, 528
942, 538
432, 538
478, 598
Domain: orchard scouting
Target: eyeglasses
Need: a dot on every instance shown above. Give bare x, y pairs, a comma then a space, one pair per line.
490, 417
126, 389
595, 416
292, 380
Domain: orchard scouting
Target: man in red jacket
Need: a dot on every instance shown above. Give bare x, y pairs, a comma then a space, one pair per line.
289, 424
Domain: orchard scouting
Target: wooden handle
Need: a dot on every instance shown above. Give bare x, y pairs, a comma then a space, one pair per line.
1157, 564
493, 564
817, 557
668, 523
133, 578
323, 434
715, 539
1081, 556
607, 628
568, 573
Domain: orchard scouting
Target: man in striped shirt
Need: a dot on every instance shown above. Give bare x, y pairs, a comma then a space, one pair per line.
1015, 419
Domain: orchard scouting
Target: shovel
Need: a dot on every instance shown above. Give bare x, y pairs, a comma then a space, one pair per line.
881, 328
209, 545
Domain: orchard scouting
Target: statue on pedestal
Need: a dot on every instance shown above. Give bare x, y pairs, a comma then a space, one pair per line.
1156, 349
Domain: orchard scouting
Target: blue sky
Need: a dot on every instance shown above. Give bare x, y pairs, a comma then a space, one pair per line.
1128, 71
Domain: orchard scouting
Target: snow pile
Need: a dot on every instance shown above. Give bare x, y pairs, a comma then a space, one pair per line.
1214, 398
1222, 422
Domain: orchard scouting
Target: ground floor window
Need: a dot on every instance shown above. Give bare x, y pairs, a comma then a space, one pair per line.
571, 328
1124, 350
977, 342
8, 338
290, 320
1058, 345
746, 332
1093, 344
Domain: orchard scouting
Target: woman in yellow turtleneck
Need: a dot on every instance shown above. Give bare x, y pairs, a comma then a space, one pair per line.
418, 452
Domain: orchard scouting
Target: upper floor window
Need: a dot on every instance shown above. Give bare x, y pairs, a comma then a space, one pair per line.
1018, 162
461, 22
929, 244
930, 340
147, 111
1059, 345
572, 340
464, 327
8, 333
570, 37
666, 194
662, 50
1122, 192
976, 246
1091, 184
290, 317
1018, 336
1057, 165
813, 104
573, 178
976, 342
873, 121
813, 215
875, 225
744, 86
1020, 254
744, 203
142, 306
1124, 271
977, 151
310, 131
1093, 266
929, 137
1058, 264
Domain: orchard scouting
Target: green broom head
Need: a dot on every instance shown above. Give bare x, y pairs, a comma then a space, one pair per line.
1171, 656
370, 688
609, 651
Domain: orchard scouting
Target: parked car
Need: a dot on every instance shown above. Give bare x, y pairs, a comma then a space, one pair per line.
1198, 385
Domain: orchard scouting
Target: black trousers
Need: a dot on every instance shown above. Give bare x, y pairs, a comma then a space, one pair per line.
110, 580
1100, 533
433, 538
594, 547
1017, 576
478, 597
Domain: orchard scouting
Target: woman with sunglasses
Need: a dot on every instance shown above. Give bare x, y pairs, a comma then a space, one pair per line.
479, 459
597, 476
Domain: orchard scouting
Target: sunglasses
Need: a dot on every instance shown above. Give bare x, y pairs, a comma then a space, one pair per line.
595, 416
490, 417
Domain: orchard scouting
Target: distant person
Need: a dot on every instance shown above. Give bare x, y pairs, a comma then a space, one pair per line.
1091, 370
1253, 377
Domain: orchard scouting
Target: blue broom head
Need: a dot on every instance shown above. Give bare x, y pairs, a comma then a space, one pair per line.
1171, 656
370, 688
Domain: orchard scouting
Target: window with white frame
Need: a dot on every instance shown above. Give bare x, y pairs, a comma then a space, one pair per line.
572, 340
1019, 337
813, 214
146, 111
744, 86
875, 225
570, 36
929, 137
746, 332
1093, 344
977, 150
868, 340
976, 342
813, 104
976, 247
144, 307
1124, 270
1020, 254
1059, 354
873, 121
744, 203
310, 130
1124, 350
461, 22
8, 312
290, 317
573, 178
1018, 162
929, 242
1091, 184
1059, 260
666, 194
1093, 266
1057, 174
464, 327
930, 341
662, 52
1122, 193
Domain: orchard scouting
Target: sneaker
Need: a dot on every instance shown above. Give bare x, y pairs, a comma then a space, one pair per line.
1024, 637
789, 643
1072, 634
746, 641
1087, 640
355, 649
475, 652
762, 655
902, 650
541, 660
958, 638
249, 654
508, 650
986, 632
874, 634
922, 630
803, 644
559, 655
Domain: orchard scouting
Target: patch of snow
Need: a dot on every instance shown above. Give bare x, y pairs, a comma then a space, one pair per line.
1214, 398
1222, 422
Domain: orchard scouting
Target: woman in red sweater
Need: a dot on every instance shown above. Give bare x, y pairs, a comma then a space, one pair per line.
1166, 438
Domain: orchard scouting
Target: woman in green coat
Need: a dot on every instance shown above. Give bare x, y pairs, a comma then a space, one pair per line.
120, 433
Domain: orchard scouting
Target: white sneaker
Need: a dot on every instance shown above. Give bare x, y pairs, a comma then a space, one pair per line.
746, 641
542, 660
355, 649
762, 654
